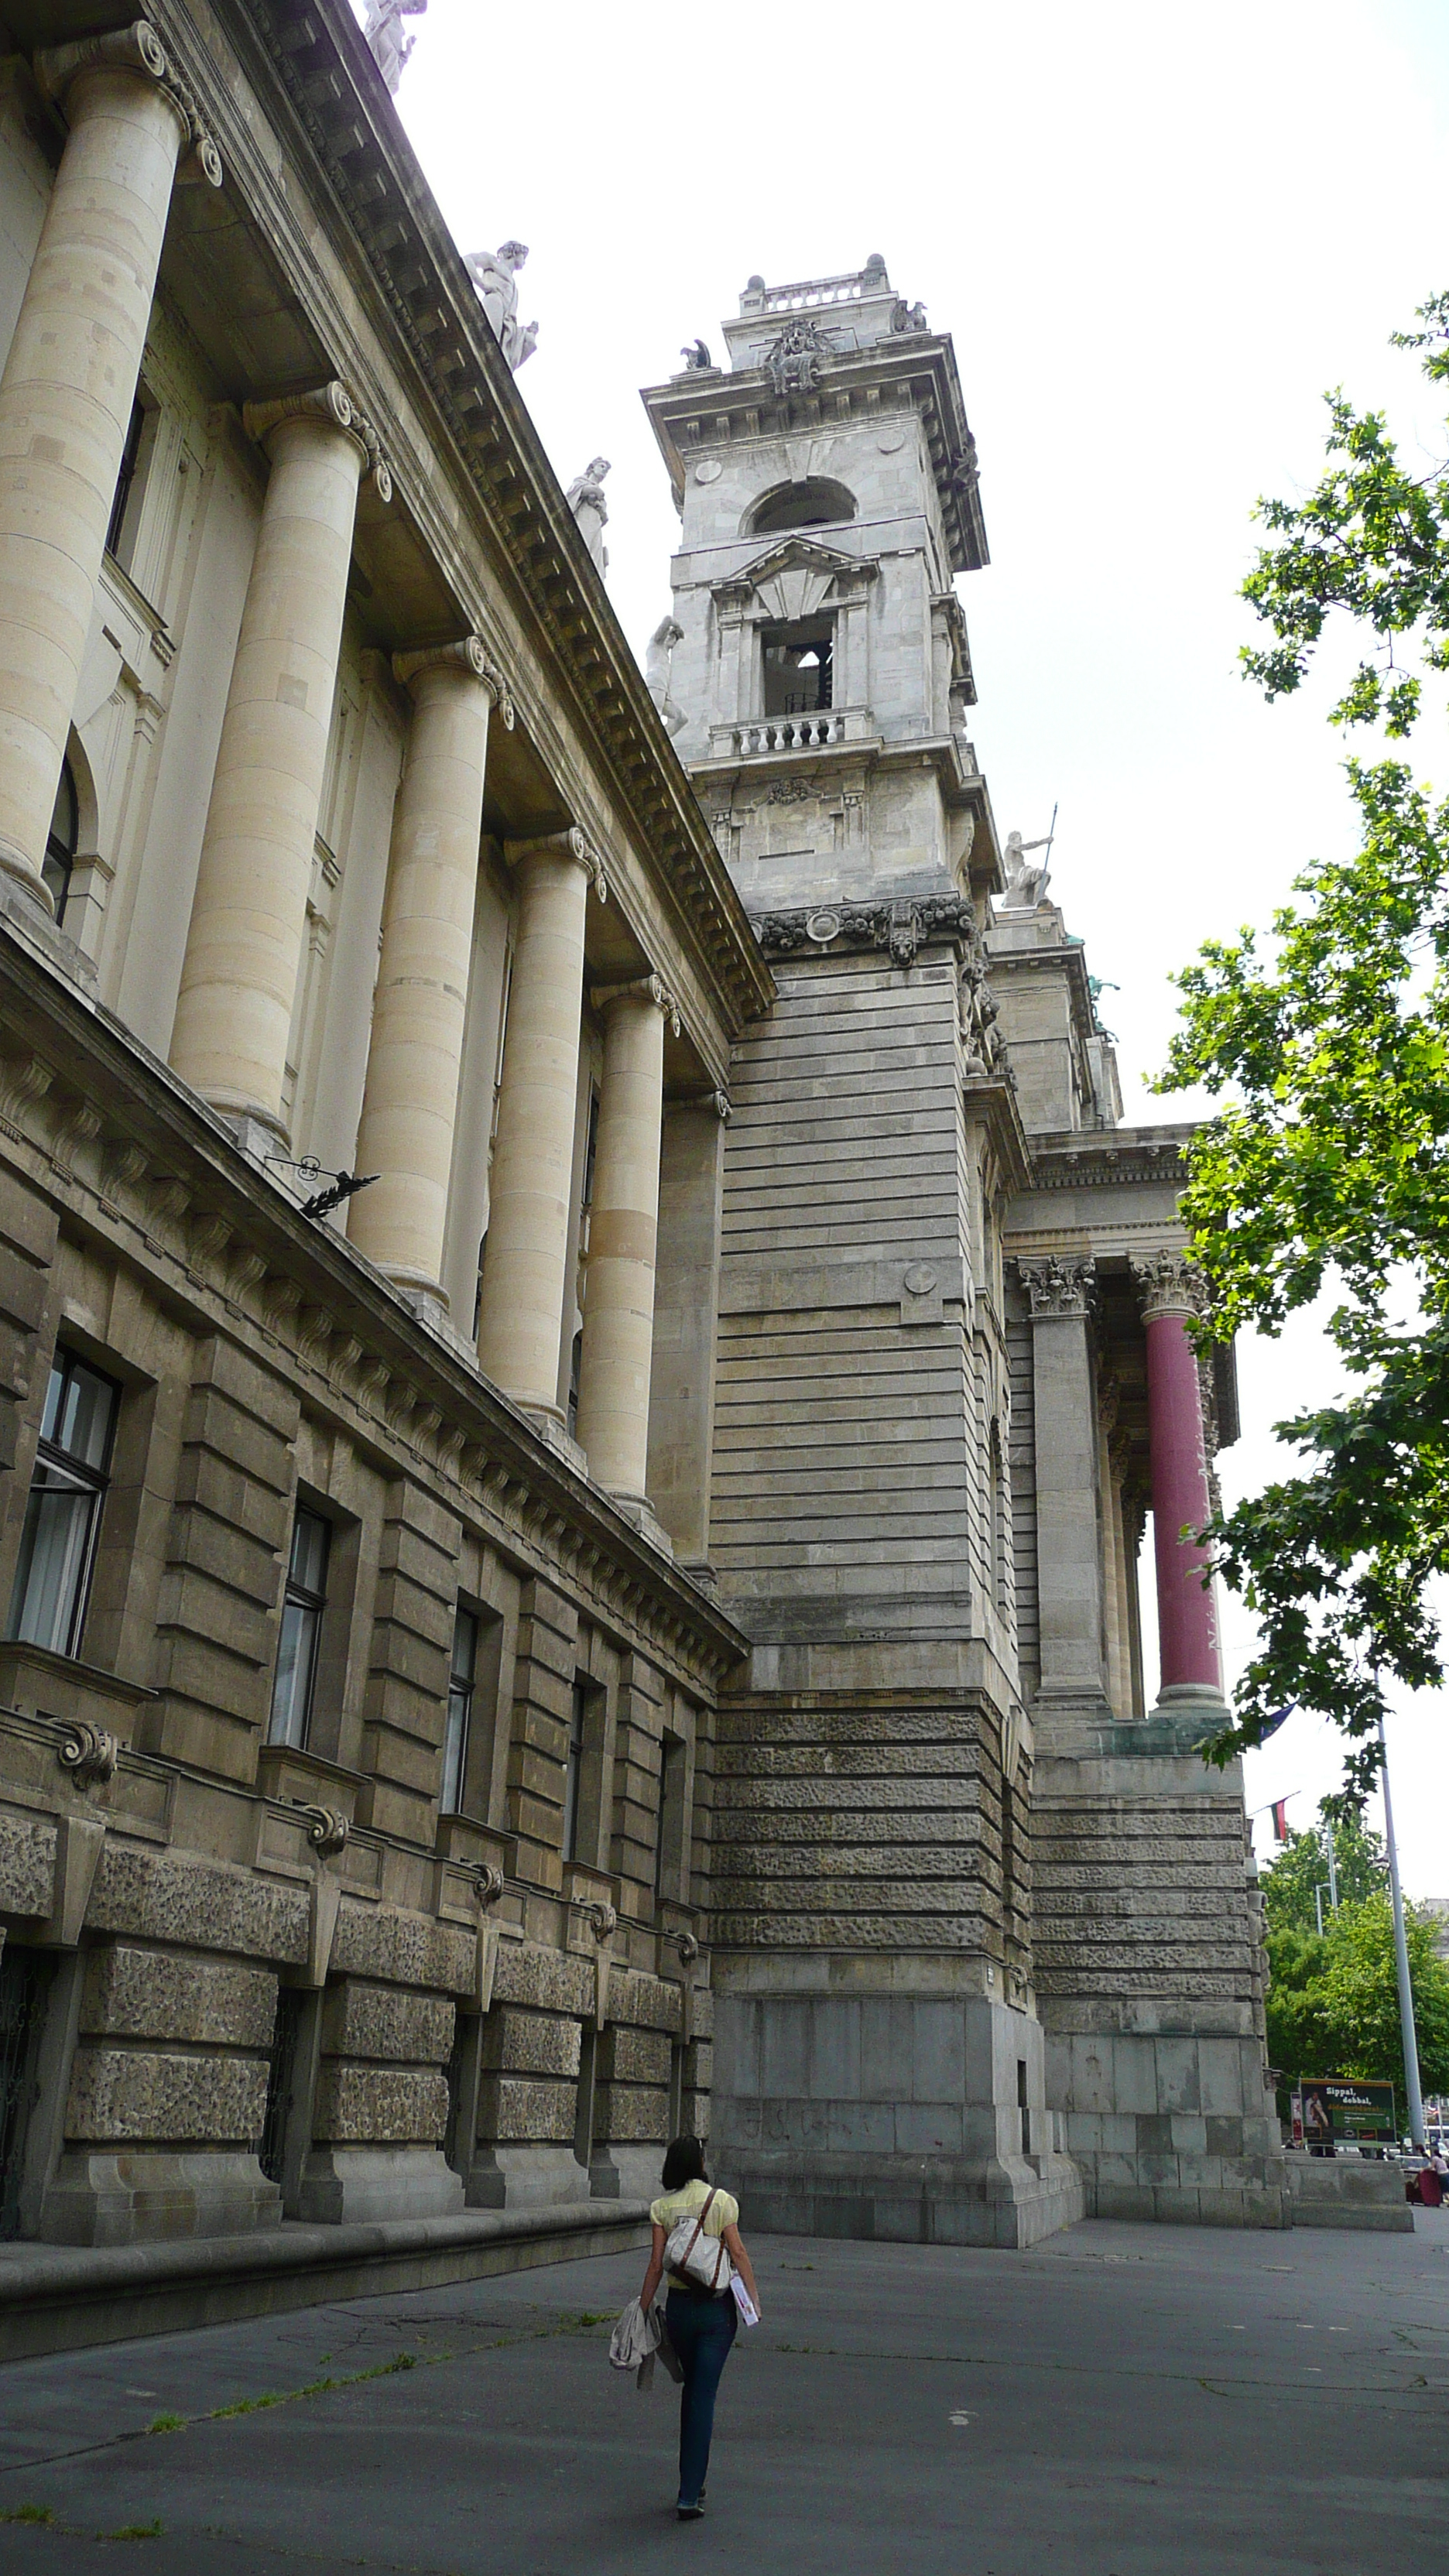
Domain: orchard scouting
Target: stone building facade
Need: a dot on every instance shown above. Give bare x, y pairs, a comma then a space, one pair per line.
986, 1944
584, 1350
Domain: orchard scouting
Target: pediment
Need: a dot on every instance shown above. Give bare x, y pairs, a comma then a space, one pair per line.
793, 578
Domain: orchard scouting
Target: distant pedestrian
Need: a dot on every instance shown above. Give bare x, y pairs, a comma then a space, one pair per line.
701, 2317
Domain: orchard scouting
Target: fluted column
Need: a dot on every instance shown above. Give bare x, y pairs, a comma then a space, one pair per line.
623, 1238
525, 1264
239, 982
410, 1104
66, 395
1186, 1609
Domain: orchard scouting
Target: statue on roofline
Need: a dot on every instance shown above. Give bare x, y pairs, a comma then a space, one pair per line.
656, 674
385, 39
585, 497
495, 275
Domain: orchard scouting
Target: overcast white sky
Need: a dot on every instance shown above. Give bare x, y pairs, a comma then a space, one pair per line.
1157, 236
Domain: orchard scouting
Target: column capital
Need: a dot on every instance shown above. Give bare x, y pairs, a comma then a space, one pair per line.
1058, 1286
641, 988
572, 844
331, 406
1169, 1283
136, 49
466, 653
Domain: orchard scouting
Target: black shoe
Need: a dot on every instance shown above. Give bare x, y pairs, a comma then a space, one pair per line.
690, 2512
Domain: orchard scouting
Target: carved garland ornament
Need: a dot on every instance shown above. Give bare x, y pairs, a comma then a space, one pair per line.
900, 928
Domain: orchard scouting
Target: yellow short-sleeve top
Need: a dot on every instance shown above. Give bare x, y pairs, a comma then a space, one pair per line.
689, 2200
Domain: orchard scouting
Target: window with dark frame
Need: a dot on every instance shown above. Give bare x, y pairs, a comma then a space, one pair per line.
669, 1835
126, 479
303, 1603
62, 841
576, 1379
574, 1768
63, 1514
591, 1148
798, 667
462, 1680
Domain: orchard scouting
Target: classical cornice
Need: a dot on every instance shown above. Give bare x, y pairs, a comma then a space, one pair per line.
313, 70
1103, 1157
134, 1159
915, 372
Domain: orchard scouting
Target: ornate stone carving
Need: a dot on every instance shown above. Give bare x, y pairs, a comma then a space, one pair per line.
1058, 1285
697, 360
136, 48
89, 1753
327, 1829
688, 1949
488, 1884
899, 928
794, 359
582, 849
791, 791
1025, 885
651, 988
984, 1052
602, 1920
1169, 1284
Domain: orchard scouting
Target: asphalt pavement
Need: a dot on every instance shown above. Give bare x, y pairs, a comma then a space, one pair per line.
1122, 2400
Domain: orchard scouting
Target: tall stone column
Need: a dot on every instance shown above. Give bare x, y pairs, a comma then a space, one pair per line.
1070, 1574
520, 1317
1186, 1610
239, 982
66, 396
623, 1238
409, 1107
686, 1320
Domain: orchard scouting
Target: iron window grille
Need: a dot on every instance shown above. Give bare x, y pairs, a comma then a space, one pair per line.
63, 1514
298, 1652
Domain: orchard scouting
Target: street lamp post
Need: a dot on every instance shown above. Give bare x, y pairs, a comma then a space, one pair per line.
1401, 1954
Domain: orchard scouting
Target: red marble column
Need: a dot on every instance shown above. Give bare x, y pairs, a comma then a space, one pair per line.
1186, 1609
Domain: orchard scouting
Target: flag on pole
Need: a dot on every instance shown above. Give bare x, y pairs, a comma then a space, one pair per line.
1279, 1717
1280, 1817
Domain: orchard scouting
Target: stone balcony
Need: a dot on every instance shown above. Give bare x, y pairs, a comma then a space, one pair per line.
765, 737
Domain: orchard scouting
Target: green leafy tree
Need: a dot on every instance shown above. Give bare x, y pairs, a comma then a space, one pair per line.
1328, 1163
1361, 1996
1289, 1882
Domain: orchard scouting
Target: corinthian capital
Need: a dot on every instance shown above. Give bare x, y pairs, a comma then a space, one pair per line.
137, 49
1169, 1284
1059, 1286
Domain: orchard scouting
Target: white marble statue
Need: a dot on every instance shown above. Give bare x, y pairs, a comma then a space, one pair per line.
383, 33
1025, 885
585, 497
656, 673
495, 275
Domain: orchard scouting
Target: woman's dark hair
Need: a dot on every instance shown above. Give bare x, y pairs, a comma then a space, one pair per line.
683, 2162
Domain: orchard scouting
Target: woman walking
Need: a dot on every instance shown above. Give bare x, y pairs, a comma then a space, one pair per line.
701, 2321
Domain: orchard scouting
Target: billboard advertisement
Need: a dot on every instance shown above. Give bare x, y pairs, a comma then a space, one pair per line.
1337, 2107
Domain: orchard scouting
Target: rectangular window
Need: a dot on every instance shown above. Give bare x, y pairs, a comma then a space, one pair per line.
121, 534
302, 1607
461, 1683
797, 667
591, 1149
574, 1771
63, 1515
669, 1872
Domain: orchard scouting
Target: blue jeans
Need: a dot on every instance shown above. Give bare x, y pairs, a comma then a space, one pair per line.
701, 2330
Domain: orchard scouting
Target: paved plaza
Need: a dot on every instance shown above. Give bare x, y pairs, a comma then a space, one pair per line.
1122, 2400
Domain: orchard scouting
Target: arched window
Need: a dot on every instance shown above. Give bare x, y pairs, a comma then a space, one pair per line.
64, 836
813, 504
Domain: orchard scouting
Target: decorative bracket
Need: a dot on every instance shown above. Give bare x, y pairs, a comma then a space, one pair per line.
89, 1753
